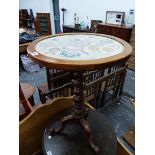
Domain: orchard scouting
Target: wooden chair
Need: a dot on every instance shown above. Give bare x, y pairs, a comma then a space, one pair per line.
59, 84
102, 86
32, 127
57, 78
24, 103
113, 88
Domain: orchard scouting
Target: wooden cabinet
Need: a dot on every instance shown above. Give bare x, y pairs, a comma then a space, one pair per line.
103, 29
43, 24
20, 19
23, 15
70, 28
117, 31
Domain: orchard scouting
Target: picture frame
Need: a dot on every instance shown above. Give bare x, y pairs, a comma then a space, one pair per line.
115, 17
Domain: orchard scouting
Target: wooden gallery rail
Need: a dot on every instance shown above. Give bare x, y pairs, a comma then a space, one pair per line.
101, 86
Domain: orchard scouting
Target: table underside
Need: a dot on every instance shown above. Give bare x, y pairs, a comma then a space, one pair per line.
72, 141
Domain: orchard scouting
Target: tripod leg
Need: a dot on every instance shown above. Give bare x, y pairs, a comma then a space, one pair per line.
87, 131
63, 122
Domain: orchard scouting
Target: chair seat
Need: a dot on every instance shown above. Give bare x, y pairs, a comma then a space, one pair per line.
27, 89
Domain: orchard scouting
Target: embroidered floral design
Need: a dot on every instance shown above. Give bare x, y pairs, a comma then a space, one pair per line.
79, 47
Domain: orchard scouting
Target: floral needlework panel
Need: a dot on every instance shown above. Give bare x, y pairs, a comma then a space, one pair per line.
79, 47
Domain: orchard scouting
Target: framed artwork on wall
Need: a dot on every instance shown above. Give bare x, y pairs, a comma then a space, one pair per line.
115, 17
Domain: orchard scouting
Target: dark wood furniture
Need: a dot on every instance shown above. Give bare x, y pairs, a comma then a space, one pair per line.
43, 24
26, 19
71, 28
21, 22
72, 141
23, 15
30, 136
122, 32
78, 66
101, 86
57, 78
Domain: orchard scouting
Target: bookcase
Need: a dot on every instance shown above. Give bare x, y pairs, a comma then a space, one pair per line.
43, 24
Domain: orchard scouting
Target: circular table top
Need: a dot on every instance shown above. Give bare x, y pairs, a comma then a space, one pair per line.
78, 51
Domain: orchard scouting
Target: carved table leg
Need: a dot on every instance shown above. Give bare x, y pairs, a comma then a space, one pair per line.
87, 131
63, 122
80, 112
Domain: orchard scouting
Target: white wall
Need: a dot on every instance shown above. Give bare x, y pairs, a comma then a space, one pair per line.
39, 6
94, 9
36, 5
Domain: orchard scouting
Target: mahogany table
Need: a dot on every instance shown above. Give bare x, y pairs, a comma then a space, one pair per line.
79, 52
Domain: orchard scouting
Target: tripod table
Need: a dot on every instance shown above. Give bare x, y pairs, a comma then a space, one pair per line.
79, 52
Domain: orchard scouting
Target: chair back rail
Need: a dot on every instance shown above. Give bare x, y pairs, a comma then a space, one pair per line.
101, 86
26, 104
